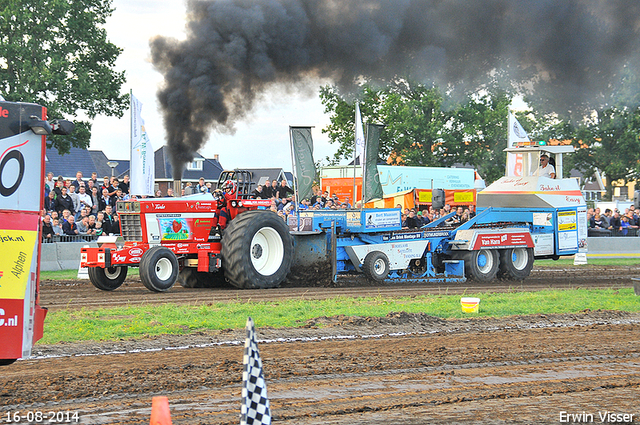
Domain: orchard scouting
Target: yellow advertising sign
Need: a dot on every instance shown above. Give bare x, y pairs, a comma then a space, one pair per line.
567, 220
463, 197
15, 263
424, 197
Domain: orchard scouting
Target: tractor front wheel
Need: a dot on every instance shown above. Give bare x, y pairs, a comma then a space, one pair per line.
108, 278
159, 269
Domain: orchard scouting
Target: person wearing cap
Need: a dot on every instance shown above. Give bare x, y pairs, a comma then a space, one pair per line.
422, 218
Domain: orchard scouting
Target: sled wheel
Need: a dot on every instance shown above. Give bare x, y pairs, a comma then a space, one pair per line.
516, 263
257, 250
481, 265
376, 266
159, 269
108, 278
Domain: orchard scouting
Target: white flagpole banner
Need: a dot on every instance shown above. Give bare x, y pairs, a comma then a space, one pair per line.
359, 136
516, 134
255, 402
142, 167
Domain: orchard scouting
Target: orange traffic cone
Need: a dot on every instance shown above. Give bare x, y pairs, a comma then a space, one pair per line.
160, 414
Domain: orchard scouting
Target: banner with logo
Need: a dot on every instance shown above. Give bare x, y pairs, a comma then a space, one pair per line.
359, 138
21, 197
515, 134
304, 168
142, 170
372, 188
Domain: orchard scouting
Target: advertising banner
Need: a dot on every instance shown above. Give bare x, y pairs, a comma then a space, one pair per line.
21, 177
304, 167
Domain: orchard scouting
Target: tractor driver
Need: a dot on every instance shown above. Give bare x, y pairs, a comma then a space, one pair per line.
546, 169
230, 189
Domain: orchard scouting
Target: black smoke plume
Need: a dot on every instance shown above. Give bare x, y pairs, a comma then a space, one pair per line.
571, 51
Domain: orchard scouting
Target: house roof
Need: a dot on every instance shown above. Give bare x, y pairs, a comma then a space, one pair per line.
211, 168
261, 175
81, 160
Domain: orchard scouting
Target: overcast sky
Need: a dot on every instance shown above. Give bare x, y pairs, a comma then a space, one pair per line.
260, 141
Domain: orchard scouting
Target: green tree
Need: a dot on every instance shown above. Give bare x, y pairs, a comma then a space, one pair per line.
341, 130
56, 53
479, 132
412, 114
610, 142
416, 124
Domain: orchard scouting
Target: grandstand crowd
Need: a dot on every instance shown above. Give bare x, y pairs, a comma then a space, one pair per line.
85, 209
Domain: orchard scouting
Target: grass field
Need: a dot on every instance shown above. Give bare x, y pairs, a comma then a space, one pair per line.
73, 274
140, 321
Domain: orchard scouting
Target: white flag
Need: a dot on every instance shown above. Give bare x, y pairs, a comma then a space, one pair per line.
142, 166
516, 134
359, 136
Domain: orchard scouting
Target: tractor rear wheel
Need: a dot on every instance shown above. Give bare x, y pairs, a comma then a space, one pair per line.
257, 250
108, 278
7, 362
159, 269
481, 265
516, 263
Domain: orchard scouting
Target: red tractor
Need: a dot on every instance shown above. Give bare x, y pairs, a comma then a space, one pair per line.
198, 240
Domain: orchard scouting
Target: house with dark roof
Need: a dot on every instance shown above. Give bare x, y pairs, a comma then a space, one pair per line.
260, 175
87, 161
209, 168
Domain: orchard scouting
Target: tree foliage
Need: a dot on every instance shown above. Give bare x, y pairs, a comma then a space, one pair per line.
56, 53
479, 132
424, 126
610, 142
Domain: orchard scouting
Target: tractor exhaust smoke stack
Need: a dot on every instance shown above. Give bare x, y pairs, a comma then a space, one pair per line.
177, 188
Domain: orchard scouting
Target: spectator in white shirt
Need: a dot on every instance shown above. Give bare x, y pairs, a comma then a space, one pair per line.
546, 169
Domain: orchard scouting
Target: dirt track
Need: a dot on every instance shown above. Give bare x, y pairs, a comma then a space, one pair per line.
402, 369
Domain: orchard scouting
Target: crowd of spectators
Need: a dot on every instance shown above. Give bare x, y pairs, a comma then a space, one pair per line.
413, 217
612, 223
81, 209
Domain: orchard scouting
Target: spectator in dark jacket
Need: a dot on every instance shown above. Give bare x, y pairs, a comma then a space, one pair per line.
69, 227
50, 202
108, 224
266, 190
412, 221
64, 202
614, 223
47, 229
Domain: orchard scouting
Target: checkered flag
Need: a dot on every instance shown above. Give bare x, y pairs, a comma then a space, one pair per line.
255, 403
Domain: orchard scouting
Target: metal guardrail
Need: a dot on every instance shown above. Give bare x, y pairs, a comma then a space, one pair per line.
70, 238
612, 232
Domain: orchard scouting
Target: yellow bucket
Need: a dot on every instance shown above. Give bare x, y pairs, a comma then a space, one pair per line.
470, 304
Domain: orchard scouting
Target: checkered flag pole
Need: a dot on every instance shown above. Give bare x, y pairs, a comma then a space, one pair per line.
255, 403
